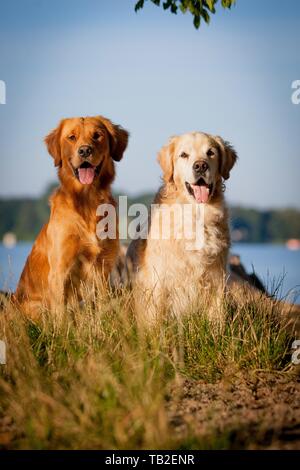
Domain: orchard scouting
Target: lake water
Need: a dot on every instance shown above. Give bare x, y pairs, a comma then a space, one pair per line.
272, 263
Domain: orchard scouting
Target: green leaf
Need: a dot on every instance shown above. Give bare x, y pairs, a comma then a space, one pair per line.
205, 16
227, 3
197, 21
211, 5
139, 5
174, 8
183, 8
167, 4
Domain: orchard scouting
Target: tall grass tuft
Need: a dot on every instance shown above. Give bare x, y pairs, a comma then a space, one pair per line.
94, 377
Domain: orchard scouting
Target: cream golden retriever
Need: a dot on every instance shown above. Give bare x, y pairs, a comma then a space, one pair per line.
182, 260
67, 253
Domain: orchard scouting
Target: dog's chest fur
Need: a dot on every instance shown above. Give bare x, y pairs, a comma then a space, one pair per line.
187, 255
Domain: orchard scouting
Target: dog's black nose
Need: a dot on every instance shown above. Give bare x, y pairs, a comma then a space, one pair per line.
85, 151
200, 167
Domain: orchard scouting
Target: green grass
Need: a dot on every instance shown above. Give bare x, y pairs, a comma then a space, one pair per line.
95, 378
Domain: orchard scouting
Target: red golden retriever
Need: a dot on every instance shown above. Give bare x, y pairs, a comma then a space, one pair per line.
67, 253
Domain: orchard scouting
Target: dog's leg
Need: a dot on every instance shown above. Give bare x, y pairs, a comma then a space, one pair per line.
216, 309
61, 261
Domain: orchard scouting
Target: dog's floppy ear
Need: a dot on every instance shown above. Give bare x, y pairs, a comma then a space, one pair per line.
52, 142
228, 157
118, 138
165, 159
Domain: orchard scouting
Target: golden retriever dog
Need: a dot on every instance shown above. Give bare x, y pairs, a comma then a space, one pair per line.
67, 253
182, 259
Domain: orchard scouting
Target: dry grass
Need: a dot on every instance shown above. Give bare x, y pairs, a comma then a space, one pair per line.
95, 378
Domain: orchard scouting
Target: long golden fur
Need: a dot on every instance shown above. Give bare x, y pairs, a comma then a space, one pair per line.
67, 252
173, 272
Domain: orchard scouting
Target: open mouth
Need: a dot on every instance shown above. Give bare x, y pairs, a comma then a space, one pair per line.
200, 190
86, 172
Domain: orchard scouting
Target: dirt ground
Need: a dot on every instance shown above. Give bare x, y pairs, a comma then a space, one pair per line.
257, 411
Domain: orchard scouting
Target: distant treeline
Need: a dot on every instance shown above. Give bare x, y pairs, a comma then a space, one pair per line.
25, 217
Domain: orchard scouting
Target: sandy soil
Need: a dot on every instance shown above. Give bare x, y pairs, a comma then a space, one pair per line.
258, 411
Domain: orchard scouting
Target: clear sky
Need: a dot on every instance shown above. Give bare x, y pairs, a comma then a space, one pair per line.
156, 75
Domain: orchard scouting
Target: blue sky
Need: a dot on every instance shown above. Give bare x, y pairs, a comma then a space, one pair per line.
156, 75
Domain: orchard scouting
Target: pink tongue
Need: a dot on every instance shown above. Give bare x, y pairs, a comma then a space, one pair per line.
201, 193
86, 175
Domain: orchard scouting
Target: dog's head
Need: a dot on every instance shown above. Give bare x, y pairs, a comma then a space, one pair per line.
196, 163
84, 149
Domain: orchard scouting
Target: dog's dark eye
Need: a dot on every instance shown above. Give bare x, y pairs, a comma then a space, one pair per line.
183, 155
210, 152
72, 137
96, 135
